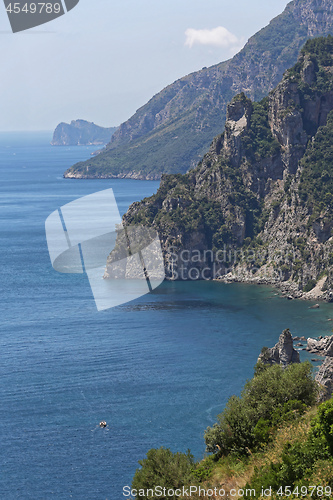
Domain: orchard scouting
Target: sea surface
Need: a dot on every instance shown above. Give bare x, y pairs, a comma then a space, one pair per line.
158, 369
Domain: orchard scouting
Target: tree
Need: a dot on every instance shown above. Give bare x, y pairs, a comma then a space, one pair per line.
165, 469
273, 395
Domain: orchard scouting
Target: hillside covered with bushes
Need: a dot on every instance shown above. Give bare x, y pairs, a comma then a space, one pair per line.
274, 436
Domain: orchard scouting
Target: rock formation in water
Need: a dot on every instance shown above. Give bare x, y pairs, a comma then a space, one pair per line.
283, 353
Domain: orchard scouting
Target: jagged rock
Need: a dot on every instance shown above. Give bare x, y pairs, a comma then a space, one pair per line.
324, 378
283, 353
246, 194
323, 346
308, 72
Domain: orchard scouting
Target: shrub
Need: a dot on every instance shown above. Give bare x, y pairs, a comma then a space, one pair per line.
165, 469
322, 425
300, 461
274, 395
309, 286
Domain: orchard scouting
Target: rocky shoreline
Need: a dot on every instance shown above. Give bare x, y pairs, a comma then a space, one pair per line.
124, 175
288, 289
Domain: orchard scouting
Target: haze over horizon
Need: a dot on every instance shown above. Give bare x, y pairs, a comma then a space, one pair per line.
102, 61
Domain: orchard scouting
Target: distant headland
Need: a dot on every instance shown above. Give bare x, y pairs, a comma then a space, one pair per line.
81, 133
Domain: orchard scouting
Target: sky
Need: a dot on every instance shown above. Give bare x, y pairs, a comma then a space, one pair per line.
106, 58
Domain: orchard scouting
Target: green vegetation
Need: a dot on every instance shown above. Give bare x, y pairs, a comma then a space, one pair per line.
274, 395
172, 131
171, 148
320, 49
316, 183
221, 194
302, 463
205, 213
280, 36
273, 435
165, 469
258, 141
309, 286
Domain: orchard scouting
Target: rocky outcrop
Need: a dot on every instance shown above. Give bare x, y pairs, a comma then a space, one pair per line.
324, 378
322, 346
81, 133
283, 353
175, 128
257, 208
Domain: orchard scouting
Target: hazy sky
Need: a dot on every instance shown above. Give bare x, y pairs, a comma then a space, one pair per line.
106, 58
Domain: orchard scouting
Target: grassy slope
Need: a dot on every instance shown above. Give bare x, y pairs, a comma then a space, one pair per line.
234, 473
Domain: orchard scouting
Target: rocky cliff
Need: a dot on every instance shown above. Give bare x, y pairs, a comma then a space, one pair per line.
258, 207
81, 133
173, 130
323, 347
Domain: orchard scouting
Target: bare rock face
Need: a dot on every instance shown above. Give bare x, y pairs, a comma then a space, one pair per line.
283, 353
322, 346
287, 123
308, 72
238, 117
324, 378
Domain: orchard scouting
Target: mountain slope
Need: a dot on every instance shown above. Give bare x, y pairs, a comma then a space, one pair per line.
174, 129
259, 206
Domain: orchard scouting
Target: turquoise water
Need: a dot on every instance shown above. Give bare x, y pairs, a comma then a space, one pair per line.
158, 370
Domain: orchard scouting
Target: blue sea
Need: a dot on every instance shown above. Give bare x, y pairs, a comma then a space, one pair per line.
158, 369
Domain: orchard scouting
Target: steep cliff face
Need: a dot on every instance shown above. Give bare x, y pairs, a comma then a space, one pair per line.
81, 133
259, 206
174, 129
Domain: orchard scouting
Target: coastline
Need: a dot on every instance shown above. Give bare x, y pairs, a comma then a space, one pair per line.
288, 289
123, 175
